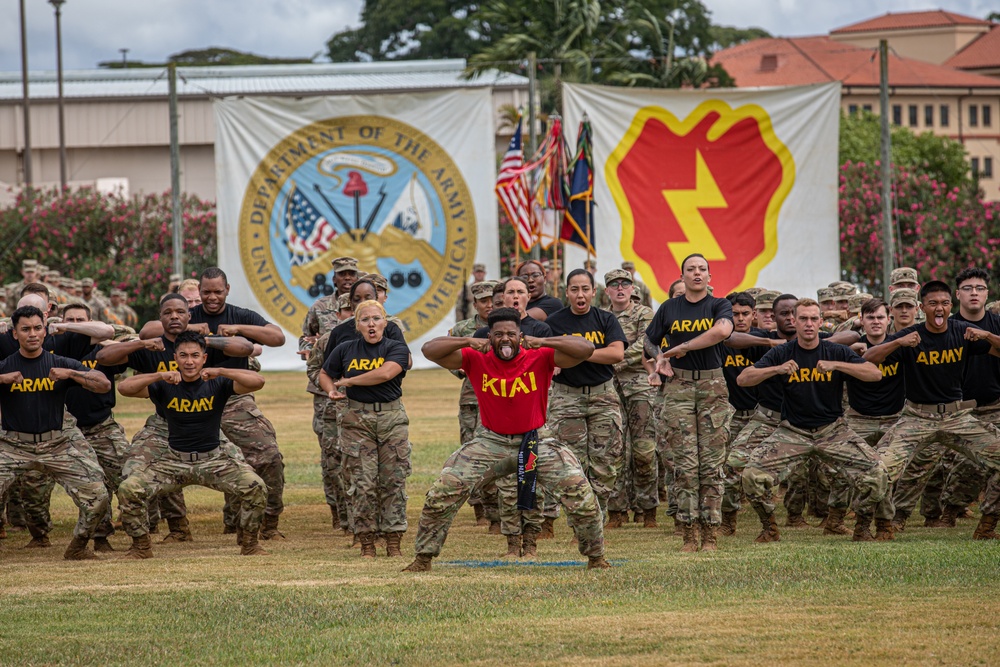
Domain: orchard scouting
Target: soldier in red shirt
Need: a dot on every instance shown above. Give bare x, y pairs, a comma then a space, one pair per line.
510, 374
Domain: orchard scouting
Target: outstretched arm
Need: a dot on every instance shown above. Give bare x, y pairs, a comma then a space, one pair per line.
446, 351
570, 350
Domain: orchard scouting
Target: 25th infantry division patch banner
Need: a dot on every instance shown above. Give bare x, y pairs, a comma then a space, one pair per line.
746, 177
404, 183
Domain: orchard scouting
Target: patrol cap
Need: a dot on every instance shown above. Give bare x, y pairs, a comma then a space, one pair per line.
379, 281
52, 273
117, 292
628, 266
590, 264
29, 264
87, 282
478, 267
755, 291
483, 289
766, 299
42, 268
176, 277
345, 264
547, 264
843, 291
903, 295
903, 274
993, 307
824, 294
344, 302
617, 274
857, 300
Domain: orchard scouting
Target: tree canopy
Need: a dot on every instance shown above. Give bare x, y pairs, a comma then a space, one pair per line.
213, 55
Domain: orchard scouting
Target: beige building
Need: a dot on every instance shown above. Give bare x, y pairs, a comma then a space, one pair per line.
944, 76
117, 121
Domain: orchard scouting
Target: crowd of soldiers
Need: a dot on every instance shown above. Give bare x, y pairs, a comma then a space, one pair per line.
847, 402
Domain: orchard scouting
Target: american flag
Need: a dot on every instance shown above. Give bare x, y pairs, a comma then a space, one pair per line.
308, 232
513, 193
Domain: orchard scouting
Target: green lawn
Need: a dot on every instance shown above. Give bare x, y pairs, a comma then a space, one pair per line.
928, 598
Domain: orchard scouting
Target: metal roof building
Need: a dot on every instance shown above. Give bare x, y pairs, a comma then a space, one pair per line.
117, 120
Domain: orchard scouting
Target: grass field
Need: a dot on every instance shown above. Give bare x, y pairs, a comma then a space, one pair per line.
931, 597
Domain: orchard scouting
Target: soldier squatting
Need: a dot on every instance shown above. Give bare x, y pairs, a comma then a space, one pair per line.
576, 395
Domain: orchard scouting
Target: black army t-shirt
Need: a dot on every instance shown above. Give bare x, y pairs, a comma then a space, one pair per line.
547, 304
598, 326
347, 331
89, 408
529, 327
36, 404
878, 399
812, 398
678, 320
71, 345
148, 361
358, 357
982, 378
229, 315
742, 398
193, 411
935, 369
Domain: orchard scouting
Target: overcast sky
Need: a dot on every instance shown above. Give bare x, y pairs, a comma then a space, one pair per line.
95, 30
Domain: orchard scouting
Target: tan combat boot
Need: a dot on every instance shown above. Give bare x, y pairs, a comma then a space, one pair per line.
392, 541
494, 528
709, 541
513, 547
102, 546
180, 531
39, 540
728, 525
481, 519
862, 529
883, 530
768, 531
597, 563
899, 523
690, 538
367, 544
269, 530
77, 550
250, 547
835, 522
649, 518
421, 563
796, 521
548, 529
142, 548
616, 519
986, 530
529, 544
949, 517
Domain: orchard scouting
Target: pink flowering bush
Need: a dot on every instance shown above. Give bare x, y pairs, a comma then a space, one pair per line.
941, 229
120, 243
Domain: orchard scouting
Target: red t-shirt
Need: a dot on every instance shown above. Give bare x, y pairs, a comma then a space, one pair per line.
513, 395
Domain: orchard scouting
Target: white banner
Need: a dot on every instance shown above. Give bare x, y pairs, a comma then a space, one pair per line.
404, 183
746, 177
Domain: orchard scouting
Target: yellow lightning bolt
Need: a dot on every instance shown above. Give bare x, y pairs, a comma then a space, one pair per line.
686, 206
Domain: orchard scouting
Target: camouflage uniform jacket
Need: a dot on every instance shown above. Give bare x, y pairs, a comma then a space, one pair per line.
645, 296
600, 299
465, 329
321, 317
853, 324
466, 303
558, 290
101, 310
830, 324
629, 372
127, 316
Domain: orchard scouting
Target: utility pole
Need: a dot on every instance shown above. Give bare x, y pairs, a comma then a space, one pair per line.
888, 237
124, 53
175, 173
532, 131
26, 100
63, 179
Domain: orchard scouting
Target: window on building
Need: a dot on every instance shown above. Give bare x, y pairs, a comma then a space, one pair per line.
929, 115
975, 167
945, 109
897, 114
913, 111
987, 115
852, 109
987, 167
867, 108
973, 115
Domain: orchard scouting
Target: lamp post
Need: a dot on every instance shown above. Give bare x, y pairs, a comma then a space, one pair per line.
28, 177
59, 74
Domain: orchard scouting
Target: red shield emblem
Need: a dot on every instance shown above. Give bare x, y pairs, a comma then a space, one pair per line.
712, 184
529, 465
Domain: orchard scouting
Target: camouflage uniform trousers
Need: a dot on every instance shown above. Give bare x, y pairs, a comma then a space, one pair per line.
491, 455
809, 481
918, 441
109, 443
488, 495
247, 427
637, 481
71, 461
376, 448
147, 445
665, 462
836, 444
967, 479
590, 424
217, 470
340, 469
732, 484
871, 429
326, 430
697, 414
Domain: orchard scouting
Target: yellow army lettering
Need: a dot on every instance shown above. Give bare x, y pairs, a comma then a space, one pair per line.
737, 360
499, 385
691, 326
595, 337
810, 375
188, 405
38, 384
889, 371
163, 367
936, 358
365, 364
